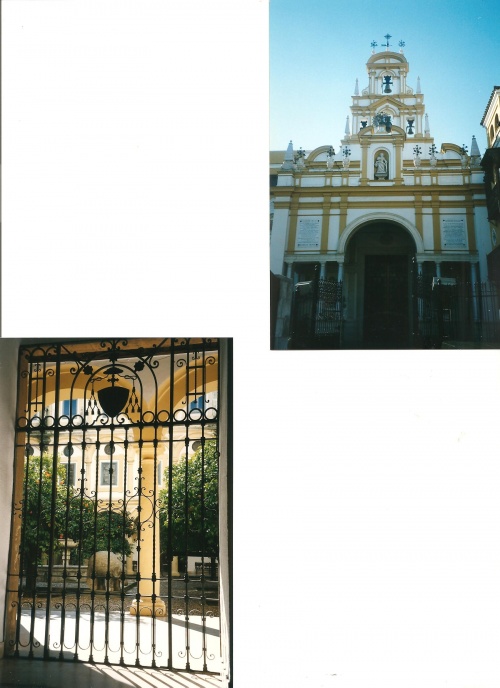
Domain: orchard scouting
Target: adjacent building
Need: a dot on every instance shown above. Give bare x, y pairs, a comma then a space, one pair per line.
491, 166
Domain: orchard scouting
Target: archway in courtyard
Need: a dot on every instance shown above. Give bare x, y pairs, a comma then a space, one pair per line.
114, 548
378, 286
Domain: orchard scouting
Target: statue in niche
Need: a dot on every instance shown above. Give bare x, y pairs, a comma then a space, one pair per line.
381, 167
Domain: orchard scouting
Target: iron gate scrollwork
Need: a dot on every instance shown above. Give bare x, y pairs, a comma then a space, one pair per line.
115, 514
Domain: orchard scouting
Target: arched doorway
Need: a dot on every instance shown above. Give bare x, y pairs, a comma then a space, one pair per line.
378, 280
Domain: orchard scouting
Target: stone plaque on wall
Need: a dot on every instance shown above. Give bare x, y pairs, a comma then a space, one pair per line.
308, 233
453, 233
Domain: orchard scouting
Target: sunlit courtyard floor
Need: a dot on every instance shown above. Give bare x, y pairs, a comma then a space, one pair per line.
131, 643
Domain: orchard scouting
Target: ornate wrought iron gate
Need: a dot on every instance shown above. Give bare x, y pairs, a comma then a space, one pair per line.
317, 314
451, 312
115, 513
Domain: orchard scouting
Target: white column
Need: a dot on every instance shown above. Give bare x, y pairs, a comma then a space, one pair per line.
289, 267
322, 270
438, 269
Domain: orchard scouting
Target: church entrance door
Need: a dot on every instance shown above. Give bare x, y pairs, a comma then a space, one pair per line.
386, 301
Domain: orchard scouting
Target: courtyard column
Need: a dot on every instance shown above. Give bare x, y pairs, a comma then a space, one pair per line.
322, 270
438, 269
289, 267
148, 542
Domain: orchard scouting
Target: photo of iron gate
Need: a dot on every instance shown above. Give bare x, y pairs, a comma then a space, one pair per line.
114, 545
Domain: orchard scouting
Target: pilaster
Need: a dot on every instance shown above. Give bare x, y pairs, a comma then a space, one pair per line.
398, 178
365, 144
436, 228
292, 234
418, 214
325, 224
469, 214
343, 213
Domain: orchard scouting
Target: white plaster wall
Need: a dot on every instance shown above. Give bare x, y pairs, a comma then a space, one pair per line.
333, 232
444, 179
393, 213
313, 181
428, 231
8, 386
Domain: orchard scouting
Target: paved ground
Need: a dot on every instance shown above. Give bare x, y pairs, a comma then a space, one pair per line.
101, 641
23, 673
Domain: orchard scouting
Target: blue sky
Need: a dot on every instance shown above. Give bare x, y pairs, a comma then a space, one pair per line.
319, 47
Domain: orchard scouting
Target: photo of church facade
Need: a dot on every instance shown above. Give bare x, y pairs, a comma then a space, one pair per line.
383, 241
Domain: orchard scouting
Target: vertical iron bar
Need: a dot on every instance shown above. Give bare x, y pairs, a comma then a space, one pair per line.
202, 509
66, 526
108, 540
82, 481
186, 510
154, 516
93, 572
139, 548
124, 521
52, 508
27, 564
169, 503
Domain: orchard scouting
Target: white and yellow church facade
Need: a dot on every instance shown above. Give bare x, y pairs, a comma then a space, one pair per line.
386, 206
